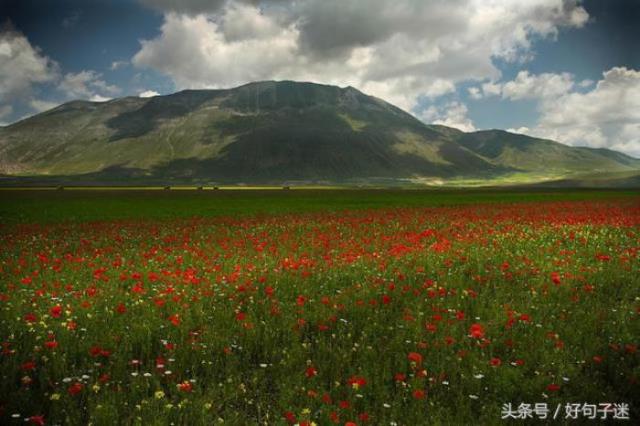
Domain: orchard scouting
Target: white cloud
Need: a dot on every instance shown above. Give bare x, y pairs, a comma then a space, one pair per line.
22, 66
116, 65
452, 114
398, 50
148, 94
607, 116
40, 105
523, 130
86, 85
527, 86
541, 86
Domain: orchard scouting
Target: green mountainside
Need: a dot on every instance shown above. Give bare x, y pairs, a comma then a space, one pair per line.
274, 132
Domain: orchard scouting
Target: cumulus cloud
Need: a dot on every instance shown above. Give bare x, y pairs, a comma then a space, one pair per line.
22, 66
527, 86
452, 114
148, 94
25, 69
86, 85
398, 50
606, 116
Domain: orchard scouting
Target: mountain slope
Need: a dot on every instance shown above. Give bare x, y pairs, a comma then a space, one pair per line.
269, 132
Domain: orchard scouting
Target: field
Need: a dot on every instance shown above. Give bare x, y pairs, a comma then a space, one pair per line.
316, 306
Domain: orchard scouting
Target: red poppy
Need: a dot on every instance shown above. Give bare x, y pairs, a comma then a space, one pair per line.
185, 386
495, 362
419, 394
56, 311
553, 387
37, 420
356, 382
476, 331
311, 372
75, 388
415, 357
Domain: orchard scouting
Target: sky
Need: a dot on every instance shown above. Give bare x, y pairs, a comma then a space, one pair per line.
566, 70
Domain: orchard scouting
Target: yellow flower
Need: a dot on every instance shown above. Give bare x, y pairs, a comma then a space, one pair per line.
55, 396
159, 394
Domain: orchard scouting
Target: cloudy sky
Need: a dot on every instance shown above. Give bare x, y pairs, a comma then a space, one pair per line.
568, 70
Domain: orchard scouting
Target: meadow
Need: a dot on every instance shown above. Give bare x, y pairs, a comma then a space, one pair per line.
316, 306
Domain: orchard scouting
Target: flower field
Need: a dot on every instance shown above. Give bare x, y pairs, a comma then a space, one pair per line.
403, 315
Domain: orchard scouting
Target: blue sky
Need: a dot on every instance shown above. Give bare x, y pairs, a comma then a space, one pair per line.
562, 69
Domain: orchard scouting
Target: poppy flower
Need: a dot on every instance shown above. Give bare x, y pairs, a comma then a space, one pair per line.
56, 311
419, 394
357, 382
476, 331
36, 420
311, 372
75, 388
185, 386
495, 362
415, 357
553, 387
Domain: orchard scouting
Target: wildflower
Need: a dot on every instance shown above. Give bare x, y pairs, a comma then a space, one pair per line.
495, 362
185, 386
311, 372
56, 311
476, 331
553, 387
419, 394
36, 420
75, 388
356, 382
415, 357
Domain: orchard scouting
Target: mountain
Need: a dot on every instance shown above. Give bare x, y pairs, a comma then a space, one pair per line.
272, 132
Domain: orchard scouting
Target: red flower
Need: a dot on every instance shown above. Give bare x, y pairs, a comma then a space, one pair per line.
476, 331
419, 394
36, 420
356, 382
30, 317
56, 311
29, 365
495, 362
75, 388
300, 300
553, 387
415, 357
121, 308
51, 344
175, 319
310, 372
290, 417
400, 377
185, 386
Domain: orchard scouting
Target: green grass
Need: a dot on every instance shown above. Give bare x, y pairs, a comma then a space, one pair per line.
47, 206
165, 318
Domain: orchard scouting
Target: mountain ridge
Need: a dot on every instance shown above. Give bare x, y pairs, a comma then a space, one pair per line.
274, 131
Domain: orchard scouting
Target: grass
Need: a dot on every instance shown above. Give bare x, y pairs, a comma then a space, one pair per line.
80, 205
315, 306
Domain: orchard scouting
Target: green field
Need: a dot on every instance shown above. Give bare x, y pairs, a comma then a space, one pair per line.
317, 307
80, 205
